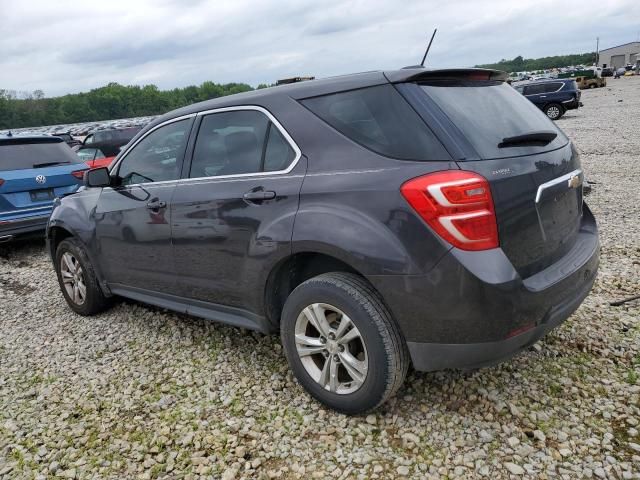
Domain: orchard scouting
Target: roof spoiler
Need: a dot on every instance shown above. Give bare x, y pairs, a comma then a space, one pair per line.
425, 74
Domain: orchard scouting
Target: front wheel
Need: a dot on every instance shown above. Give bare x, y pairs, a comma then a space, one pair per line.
77, 279
553, 111
342, 343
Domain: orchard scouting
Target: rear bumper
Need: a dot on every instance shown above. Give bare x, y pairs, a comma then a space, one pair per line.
473, 309
571, 104
438, 356
15, 227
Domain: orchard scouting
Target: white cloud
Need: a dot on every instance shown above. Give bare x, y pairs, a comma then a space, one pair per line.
68, 46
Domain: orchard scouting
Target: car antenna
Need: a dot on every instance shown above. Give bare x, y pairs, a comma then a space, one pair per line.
428, 47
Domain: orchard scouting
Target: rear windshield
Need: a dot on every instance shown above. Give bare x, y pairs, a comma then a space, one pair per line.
488, 112
18, 156
380, 119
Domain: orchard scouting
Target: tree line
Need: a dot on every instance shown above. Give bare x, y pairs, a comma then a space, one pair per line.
520, 64
33, 109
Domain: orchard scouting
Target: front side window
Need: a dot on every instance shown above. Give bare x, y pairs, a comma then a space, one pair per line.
158, 156
239, 142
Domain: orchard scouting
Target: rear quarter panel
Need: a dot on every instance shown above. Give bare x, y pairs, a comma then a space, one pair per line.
350, 203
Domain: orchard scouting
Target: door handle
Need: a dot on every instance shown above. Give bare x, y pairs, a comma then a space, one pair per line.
259, 196
156, 204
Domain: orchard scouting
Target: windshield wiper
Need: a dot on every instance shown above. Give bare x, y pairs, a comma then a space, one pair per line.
48, 164
541, 138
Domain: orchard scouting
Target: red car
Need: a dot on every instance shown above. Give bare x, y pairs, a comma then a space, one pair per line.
94, 157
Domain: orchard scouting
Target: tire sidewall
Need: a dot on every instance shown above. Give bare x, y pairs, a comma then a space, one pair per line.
374, 386
71, 246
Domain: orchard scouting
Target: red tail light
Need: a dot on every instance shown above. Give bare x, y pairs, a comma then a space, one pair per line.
1, 181
457, 205
79, 174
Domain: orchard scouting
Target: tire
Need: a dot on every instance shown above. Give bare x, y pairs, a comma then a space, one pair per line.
377, 346
71, 253
554, 111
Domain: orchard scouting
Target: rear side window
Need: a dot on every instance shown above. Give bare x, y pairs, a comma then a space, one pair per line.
380, 119
488, 112
18, 156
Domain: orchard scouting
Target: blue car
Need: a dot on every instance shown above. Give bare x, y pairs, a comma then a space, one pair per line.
553, 97
34, 170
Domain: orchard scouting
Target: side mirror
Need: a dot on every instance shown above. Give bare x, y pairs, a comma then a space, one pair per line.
97, 177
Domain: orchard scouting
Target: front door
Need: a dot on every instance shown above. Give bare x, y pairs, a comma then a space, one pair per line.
234, 216
133, 225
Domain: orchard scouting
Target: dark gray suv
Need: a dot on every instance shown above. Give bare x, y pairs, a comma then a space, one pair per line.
376, 220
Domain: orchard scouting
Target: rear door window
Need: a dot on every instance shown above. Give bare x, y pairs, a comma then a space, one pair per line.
239, 142
534, 89
380, 119
488, 112
552, 87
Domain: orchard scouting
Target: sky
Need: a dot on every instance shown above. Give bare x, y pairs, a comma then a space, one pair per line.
64, 47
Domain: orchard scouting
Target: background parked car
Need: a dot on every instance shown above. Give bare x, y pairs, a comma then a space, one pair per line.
68, 139
553, 97
33, 171
110, 141
94, 157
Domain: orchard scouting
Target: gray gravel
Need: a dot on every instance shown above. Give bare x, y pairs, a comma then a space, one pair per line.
139, 392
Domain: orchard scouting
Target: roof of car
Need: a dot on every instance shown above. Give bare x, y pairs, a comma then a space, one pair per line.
28, 138
312, 88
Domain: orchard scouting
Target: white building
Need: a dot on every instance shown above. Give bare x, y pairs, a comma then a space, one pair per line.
619, 56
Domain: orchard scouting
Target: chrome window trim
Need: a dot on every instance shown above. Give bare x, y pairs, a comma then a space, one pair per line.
263, 110
564, 178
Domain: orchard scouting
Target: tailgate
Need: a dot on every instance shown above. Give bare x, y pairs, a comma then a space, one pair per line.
538, 202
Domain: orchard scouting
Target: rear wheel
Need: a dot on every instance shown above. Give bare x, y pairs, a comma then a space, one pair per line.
553, 111
77, 279
342, 344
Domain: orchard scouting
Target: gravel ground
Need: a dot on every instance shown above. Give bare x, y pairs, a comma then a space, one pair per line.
139, 392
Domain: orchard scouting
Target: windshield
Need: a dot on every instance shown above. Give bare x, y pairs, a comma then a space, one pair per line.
488, 112
18, 156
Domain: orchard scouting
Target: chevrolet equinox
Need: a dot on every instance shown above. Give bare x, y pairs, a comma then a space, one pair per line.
376, 220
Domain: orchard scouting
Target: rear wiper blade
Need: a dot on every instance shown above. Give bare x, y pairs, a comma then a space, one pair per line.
48, 164
540, 138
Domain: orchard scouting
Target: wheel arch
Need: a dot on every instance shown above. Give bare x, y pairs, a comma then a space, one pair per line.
291, 271
56, 233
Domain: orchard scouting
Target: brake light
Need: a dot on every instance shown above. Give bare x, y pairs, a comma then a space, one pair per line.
456, 204
1, 181
79, 174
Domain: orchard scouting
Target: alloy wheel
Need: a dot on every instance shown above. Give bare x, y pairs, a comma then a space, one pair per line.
331, 348
553, 112
73, 278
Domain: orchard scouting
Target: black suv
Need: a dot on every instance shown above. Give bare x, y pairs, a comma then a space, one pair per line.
376, 220
109, 141
553, 97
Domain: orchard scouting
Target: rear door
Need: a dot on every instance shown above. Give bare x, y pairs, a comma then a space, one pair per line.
534, 172
133, 229
234, 213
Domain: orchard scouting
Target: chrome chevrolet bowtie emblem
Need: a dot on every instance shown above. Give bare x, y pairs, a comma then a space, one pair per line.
574, 182
41, 179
